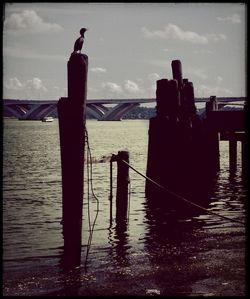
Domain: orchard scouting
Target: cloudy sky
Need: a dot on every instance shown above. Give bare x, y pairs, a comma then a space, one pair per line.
129, 45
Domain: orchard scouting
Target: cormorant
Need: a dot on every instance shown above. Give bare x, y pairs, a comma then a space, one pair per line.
79, 41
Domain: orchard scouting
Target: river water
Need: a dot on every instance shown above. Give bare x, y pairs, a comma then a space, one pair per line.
154, 254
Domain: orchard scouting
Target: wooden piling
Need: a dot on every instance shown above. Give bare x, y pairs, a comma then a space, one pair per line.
161, 91
72, 114
179, 139
122, 186
177, 72
232, 153
163, 141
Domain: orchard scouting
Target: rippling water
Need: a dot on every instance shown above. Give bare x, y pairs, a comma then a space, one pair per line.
155, 253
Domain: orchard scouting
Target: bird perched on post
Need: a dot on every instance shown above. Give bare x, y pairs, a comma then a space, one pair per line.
79, 42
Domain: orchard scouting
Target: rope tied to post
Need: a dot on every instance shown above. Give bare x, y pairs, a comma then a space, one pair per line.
179, 196
90, 188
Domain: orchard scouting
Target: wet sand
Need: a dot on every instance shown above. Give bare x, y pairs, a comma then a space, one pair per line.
215, 267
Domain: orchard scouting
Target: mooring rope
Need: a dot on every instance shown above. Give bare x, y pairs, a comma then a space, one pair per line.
90, 182
129, 197
181, 197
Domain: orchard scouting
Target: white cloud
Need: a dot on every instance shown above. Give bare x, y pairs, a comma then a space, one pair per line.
172, 31
131, 87
28, 21
36, 84
111, 87
235, 19
33, 88
153, 77
127, 87
13, 84
98, 70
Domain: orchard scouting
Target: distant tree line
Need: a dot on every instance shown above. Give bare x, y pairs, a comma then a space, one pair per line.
140, 113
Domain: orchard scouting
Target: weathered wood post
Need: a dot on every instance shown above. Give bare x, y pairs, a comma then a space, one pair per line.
232, 152
122, 186
177, 72
163, 138
176, 142
71, 113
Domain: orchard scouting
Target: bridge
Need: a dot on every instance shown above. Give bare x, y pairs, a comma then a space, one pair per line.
101, 109
38, 109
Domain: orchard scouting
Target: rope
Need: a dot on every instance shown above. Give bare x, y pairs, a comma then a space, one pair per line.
129, 197
111, 191
181, 197
90, 181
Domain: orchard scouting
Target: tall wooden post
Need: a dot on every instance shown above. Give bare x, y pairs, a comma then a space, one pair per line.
122, 186
71, 113
177, 72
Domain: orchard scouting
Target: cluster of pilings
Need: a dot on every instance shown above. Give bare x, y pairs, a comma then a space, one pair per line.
183, 150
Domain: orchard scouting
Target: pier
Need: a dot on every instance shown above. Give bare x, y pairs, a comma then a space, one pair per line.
183, 148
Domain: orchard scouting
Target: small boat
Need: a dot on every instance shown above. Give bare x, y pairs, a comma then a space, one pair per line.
48, 119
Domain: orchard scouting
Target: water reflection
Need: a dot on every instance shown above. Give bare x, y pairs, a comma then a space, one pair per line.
118, 239
170, 238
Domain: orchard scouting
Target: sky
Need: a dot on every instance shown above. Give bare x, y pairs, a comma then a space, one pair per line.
129, 45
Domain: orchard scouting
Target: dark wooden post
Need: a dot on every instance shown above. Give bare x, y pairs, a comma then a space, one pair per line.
71, 113
161, 92
173, 100
177, 72
163, 139
212, 105
122, 186
232, 152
